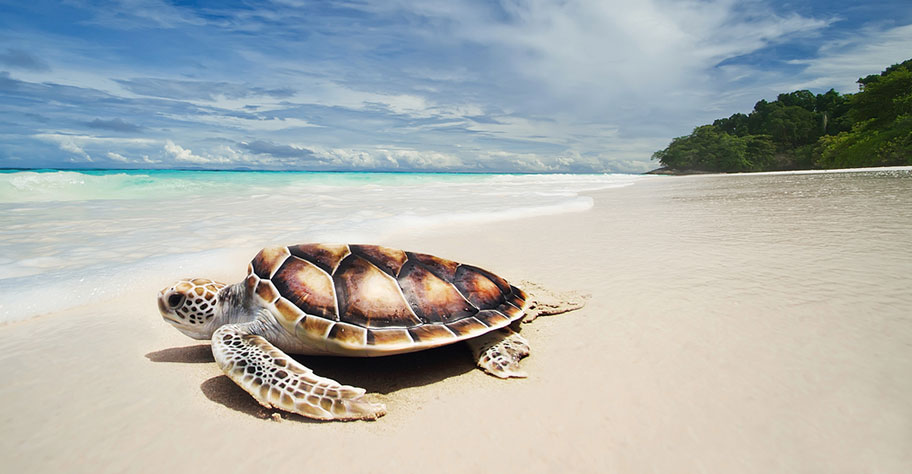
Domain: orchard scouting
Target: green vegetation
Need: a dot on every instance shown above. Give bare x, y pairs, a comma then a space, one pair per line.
801, 130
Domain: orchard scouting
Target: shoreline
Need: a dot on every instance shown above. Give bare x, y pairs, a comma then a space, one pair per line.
721, 335
674, 172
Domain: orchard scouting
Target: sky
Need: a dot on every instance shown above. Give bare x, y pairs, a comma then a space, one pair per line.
411, 85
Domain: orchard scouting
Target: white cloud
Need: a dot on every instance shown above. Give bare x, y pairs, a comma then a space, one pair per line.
184, 155
602, 52
332, 94
89, 139
224, 155
78, 144
426, 160
246, 124
387, 158
840, 63
144, 159
355, 159
591, 54
69, 145
129, 14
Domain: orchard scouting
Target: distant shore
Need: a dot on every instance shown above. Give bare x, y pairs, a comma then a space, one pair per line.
803, 130
675, 172
665, 171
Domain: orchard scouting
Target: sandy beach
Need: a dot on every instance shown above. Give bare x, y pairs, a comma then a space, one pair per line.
736, 324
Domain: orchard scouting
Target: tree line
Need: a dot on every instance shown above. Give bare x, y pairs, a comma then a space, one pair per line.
801, 130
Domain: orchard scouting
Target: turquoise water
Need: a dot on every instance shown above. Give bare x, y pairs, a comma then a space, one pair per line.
88, 235
69, 185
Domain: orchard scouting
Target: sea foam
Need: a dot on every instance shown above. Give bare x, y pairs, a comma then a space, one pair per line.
71, 238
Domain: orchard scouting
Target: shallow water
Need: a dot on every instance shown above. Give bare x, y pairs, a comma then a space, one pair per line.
85, 236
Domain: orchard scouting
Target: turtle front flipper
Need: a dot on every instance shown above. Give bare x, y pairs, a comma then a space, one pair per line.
498, 353
276, 380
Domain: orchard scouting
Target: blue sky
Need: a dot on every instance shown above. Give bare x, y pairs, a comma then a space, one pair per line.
411, 85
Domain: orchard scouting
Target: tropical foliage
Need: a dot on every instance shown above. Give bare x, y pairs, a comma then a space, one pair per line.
801, 130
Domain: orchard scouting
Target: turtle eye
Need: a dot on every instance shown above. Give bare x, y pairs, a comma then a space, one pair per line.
175, 300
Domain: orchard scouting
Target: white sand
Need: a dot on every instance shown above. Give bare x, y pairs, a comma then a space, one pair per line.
723, 335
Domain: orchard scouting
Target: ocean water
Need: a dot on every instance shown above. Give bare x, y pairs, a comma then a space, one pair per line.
69, 238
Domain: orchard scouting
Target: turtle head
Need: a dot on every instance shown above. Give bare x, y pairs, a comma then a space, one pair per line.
191, 306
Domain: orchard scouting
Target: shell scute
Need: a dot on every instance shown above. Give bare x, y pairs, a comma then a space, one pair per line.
313, 328
443, 268
369, 297
505, 287
510, 311
289, 313
492, 318
434, 334
307, 286
478, 288
268, 260
388, 337
267, 291
325, 256
251, 281
348, 334
432, 299
517, 298
467, 327
386, 259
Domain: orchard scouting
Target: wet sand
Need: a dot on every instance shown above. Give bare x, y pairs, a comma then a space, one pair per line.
737, 324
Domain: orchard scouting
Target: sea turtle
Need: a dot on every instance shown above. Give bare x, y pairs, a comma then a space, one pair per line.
346, 300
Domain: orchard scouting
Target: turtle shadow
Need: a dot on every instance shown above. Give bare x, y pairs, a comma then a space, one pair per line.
389, 374
377, 375
198, 354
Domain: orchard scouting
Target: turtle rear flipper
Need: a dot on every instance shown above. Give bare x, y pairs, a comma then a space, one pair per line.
276, 380
547, 302
499, 352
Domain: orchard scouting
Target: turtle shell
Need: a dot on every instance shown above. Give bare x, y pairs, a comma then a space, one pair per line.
372, 300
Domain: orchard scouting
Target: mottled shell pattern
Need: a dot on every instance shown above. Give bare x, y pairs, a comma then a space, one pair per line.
372, 300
